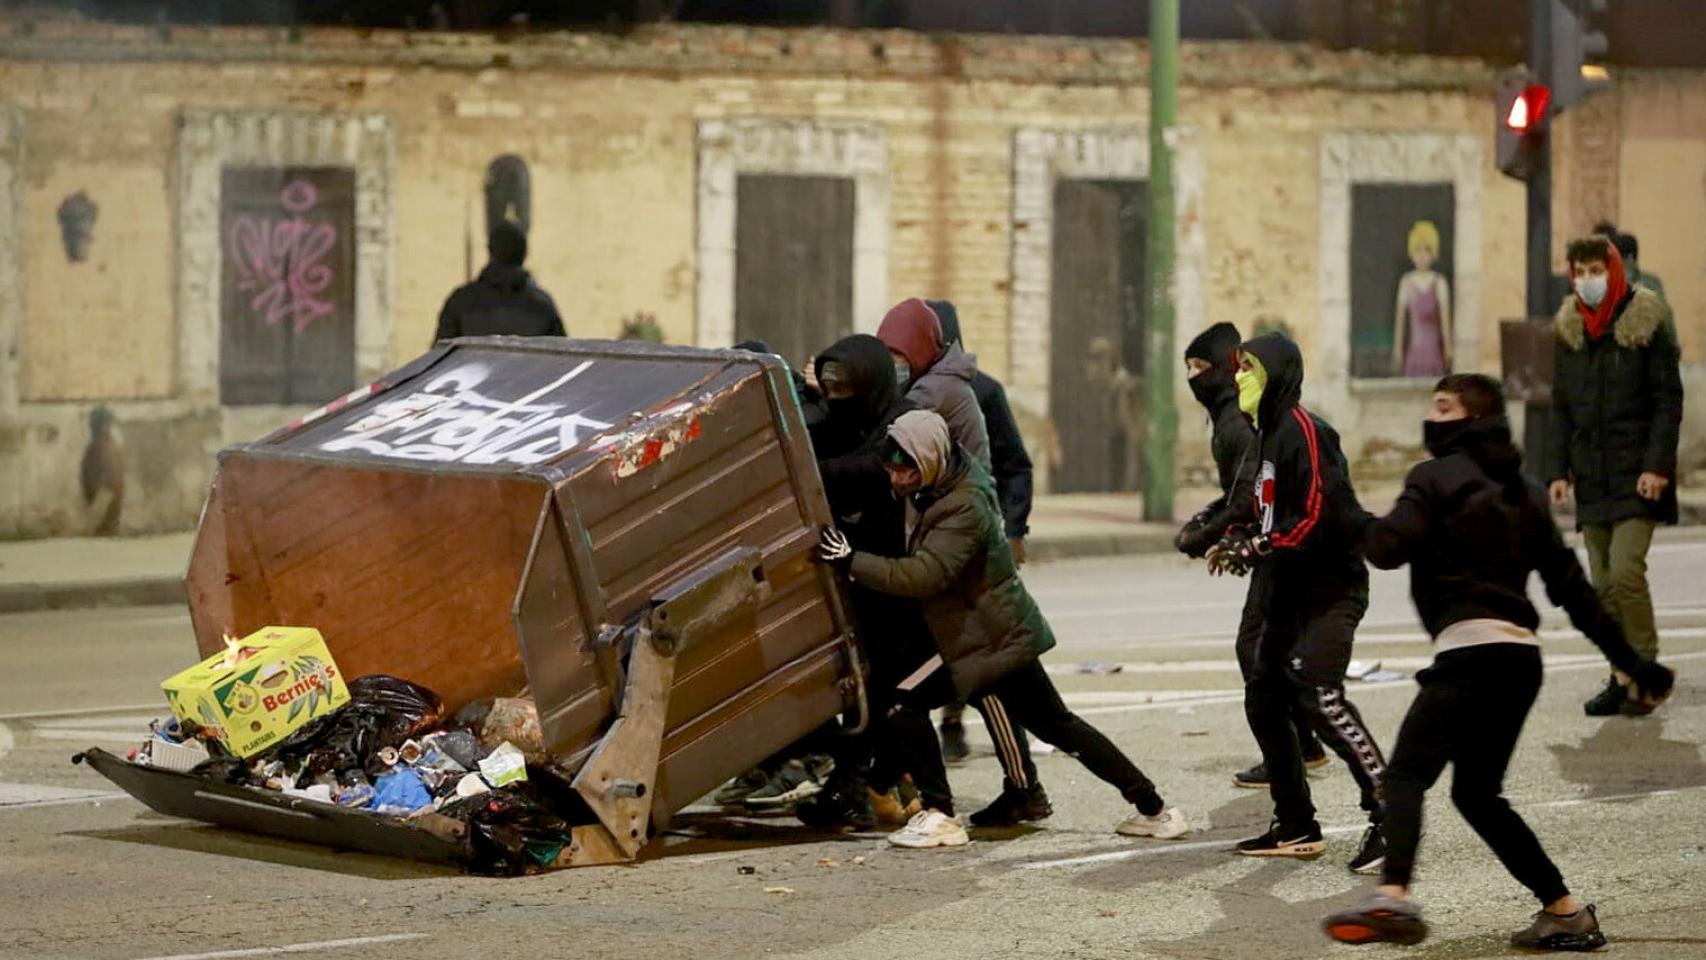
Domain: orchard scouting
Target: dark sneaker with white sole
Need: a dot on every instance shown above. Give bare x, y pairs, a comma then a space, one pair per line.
1302, 843
735, 792
1014, 806
1380, 919
1608, 702
796, 781
1578, 931
1371, 853
1257, 777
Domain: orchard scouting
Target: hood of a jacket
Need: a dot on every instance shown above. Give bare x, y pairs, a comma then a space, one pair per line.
1597, 320
949, 316
870, 372
1216, 387
505, 277
1283, 362
923, 435
955, 362
914, 331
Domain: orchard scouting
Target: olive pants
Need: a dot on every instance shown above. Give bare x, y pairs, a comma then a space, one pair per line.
1617, 562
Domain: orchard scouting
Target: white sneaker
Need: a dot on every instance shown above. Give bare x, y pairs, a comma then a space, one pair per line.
1169, 824
930, 828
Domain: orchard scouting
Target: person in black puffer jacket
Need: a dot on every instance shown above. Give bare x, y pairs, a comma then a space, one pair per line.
503, 300
1617, 412
1473, 530
1211, 362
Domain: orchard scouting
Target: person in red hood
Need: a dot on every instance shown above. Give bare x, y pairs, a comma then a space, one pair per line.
1617, 413
936, 375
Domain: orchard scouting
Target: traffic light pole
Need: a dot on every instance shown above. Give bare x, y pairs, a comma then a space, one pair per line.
1161, 431
1539, 268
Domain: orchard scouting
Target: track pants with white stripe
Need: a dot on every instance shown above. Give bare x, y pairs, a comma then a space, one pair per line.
1026, 700
1301, 655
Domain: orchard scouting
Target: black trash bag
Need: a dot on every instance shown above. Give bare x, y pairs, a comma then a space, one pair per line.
222, 769
382, 712
509, 832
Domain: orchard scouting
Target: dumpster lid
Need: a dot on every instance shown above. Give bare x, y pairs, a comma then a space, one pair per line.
506, 404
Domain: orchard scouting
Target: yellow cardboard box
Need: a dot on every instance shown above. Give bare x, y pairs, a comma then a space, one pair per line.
260, 689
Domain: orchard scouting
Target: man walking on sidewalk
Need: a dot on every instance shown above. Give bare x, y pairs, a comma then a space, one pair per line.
1311, 586
1617, 412
1472, 531
989, 632
1211, 366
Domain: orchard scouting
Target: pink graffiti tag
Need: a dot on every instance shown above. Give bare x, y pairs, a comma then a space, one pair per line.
279, 259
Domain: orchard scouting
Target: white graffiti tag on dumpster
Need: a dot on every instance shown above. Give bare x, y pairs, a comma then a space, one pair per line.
449, 421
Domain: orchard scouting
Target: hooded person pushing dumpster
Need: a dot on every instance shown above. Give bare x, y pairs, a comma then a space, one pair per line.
988, 631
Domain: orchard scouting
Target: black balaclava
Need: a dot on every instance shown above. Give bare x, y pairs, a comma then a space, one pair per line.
507, 245
869, 369
1215, 387
1283, 362
949, 316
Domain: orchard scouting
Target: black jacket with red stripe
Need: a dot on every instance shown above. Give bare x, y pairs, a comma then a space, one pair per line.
1304, 501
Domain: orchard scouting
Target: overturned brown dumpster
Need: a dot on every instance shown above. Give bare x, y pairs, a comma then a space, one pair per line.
621, 531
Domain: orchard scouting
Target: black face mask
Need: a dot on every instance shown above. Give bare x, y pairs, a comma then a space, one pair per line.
1212, 387
1446, 436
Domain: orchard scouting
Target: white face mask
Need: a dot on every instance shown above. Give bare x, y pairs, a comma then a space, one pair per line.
1591, 290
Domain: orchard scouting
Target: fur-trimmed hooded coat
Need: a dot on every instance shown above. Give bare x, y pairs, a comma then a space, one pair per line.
1617, 401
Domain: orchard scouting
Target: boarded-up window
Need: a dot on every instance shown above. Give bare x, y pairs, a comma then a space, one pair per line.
1096, 331
794, 262
287, 284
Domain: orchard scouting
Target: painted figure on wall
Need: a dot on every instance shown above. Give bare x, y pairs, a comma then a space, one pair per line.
77, 225
102, 474
1121, 410
1421, 335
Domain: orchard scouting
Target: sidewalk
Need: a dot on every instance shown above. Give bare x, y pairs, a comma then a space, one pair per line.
120, 571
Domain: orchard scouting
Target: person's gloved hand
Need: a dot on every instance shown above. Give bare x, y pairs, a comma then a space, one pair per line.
1017, 544
833, 549
1237, 552
1650, 684
1192, 528
1196, 541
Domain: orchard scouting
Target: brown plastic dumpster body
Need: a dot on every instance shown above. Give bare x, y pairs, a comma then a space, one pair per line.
507, 514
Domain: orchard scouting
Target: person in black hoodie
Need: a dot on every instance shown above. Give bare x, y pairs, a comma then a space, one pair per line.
1472, 530
1211, 366
860, 398
1311, 586
503, 300
1010, 465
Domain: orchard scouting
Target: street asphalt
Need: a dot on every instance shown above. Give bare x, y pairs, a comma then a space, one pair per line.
1620, 803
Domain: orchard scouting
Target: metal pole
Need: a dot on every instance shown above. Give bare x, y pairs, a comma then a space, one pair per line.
1537, 419
1162, 427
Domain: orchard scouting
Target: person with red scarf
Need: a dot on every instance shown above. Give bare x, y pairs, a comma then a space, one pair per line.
1617, 402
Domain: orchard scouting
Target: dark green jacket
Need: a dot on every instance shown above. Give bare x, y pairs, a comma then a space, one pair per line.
1618, 410
984, 622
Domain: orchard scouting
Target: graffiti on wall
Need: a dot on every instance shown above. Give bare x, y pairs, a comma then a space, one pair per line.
281, 260
449, 420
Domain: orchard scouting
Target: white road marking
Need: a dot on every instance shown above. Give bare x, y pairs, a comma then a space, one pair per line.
138, 709
1114, 856
131, 737
81, 796
103, 721
296, 947
1224, 665
6, 741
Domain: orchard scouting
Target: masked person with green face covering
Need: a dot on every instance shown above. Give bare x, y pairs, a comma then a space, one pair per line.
1309, 583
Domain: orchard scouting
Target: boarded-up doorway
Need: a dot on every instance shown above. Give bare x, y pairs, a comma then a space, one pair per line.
287, 284
794, 262
1096, 332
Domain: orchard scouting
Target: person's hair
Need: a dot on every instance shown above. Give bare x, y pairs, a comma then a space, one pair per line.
1587, 250
1605, 227
1424, 235
508, 244
1482, 396
1627, 246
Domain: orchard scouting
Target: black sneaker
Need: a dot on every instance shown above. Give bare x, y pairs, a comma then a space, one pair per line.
842, 806
791, 784
1607, 702
954, 747
1381, 919
1302, 843
735, 792
1014, 806
1257, 777
1550, 931
1371, 853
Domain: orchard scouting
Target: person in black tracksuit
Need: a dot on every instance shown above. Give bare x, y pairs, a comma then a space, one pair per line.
860, 398
1211, 362
1472, 530
1010, 466
1311, 586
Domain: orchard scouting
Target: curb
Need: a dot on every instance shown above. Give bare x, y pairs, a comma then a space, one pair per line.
143, 591
1101, 545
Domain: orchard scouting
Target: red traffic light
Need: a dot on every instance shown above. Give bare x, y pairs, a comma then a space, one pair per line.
1528, 108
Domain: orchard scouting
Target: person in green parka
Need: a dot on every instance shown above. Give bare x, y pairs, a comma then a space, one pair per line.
988, 630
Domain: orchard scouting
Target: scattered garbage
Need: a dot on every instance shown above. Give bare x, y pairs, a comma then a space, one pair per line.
1371, 672
505, 765
513, 720
1099, 668
259, 689
746, 871
400, 794
779, 891
510, 831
